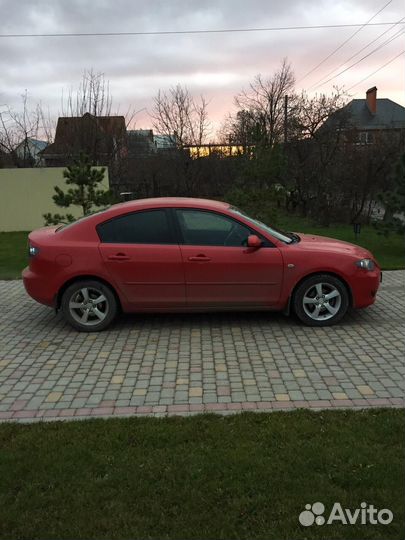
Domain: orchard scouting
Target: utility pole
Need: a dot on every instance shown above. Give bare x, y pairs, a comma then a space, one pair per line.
285, 118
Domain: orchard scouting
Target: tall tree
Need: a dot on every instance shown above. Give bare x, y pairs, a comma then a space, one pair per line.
392, 197
307, 114
92, 96
263, 102
85, 192
177, 114
17, 126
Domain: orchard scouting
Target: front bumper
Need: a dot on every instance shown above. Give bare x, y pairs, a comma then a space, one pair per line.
365, 287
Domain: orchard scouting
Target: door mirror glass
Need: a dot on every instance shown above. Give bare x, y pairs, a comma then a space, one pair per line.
254, 241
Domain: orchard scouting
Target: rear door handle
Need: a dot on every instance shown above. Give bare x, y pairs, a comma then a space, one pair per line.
118, 257
199, 258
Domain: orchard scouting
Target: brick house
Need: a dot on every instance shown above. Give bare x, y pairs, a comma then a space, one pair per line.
366, 121
102, 138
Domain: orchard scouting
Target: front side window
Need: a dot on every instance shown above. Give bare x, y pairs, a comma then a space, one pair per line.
149, 227
200, 228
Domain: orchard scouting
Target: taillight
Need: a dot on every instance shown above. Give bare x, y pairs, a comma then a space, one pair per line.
32, 250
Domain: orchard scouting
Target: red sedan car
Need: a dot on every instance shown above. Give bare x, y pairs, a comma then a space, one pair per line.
180, 254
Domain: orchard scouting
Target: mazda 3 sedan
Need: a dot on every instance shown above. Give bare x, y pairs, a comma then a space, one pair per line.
181, 254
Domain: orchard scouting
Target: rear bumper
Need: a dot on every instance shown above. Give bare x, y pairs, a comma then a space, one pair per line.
365, 287
38, 288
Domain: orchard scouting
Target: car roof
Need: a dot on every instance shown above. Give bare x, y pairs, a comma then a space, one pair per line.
170, 202
82, 226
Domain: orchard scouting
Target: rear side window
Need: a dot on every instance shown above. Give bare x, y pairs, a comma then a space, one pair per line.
151, 227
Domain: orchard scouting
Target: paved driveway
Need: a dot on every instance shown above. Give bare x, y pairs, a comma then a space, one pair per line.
160, 364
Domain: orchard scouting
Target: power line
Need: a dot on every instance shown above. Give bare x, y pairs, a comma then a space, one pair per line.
319, 82
377, 70
182, 32
386, 42
344, 42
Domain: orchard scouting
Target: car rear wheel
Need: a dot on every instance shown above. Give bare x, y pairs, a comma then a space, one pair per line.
321, 300
89, 305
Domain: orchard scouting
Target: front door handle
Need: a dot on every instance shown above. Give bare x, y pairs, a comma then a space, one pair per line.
199, 258
118, 257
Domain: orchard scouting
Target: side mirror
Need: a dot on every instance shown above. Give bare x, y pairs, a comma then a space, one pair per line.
254, 241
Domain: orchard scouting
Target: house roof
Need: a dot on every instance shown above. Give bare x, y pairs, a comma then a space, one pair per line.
79, 132
148, 133
389, 115
40, 145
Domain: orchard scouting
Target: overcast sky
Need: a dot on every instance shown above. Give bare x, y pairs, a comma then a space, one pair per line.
217, 65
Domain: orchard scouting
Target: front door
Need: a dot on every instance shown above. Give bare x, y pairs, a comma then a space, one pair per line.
140, 253
220, 270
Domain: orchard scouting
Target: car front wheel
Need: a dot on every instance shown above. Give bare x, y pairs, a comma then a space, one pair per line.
321, 300
89, 305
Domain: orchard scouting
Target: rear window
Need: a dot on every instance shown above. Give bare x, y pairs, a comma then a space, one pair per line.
148, 227
80, 220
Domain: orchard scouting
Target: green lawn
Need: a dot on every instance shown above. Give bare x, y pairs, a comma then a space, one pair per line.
13, 254
389, 251
240, 476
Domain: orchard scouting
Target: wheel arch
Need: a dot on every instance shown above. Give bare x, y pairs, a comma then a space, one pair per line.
316, 273
80, 278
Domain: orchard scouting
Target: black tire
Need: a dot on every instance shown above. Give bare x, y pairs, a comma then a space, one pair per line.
321, 309
100, 313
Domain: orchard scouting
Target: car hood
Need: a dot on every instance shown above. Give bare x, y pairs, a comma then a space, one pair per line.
323, 243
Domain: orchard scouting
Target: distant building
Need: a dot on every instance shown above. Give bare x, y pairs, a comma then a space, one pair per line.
140, 143
144, 143
102, 138
365, 120
165, 142
29, 152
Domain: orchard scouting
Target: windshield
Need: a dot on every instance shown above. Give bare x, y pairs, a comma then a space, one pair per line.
285, 237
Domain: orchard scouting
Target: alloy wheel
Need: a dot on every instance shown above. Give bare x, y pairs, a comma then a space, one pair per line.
321, 301
88, 306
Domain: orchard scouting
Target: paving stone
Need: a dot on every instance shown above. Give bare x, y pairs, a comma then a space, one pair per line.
231, 361
117, 379
282, 397
365, 390
339, 395
140, 391
53, 397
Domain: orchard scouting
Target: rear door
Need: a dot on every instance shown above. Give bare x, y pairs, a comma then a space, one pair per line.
142, 255
220, 270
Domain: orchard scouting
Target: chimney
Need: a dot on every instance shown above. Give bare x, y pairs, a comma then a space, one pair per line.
371, 98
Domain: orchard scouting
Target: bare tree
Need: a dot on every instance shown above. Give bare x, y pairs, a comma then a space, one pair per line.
178, 115
240, 129
315, 150
17, 127
92, 96
307, 115
263, 102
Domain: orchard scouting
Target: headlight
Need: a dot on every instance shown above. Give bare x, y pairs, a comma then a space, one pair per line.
32, 251
367, 264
